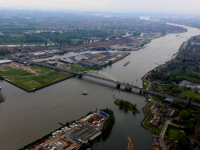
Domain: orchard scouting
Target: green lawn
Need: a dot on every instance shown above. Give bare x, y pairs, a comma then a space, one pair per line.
149, 117
40, 69
82, 69
158, 99
174, 133
14, 72
145, 85
192, 94
39, 81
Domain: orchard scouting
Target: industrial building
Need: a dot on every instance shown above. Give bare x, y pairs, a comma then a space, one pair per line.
5, 62
87, 63
85, 133
67, 61
39, 54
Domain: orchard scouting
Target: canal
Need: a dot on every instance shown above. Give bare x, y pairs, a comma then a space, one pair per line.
26, 117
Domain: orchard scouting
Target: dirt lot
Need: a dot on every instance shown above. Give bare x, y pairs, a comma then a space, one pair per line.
17, 66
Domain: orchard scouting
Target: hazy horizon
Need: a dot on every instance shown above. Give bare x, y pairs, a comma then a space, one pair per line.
115, 6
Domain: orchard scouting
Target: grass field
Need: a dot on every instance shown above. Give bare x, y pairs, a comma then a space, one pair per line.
149, 117
82, 69
158, 99
145, 85
39, 81
79, 68
174, 133
14, 72
192, 94
40, 69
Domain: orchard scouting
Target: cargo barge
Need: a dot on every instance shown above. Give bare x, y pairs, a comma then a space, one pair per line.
126, 63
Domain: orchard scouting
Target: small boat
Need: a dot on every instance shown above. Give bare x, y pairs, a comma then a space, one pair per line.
84, 93
0, 88
127, 63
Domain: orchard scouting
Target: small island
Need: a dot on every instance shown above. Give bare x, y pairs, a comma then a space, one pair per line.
126, 105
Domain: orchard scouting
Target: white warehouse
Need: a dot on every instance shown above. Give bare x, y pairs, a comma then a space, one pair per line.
5, 62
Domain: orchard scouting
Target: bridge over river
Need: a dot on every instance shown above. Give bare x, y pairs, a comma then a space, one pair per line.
118, 83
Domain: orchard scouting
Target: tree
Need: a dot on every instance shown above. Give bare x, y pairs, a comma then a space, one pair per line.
190, 99
184, 143
192, 120
190, 127
185, 114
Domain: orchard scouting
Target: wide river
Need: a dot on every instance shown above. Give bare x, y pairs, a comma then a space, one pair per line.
25, 117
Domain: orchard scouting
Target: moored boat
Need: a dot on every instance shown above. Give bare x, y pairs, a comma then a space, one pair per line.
84, 93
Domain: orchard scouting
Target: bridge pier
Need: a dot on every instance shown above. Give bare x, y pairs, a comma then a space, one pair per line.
141, 92
118, 86
80, 76
128, 88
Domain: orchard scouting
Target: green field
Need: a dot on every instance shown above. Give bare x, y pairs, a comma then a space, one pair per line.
14, 72
39, 81
158, 99
191, 94
79, 68
145, 85
149, 117
82, 69
40, 69
174, 133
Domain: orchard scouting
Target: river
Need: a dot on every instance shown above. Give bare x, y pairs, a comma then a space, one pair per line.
26, 117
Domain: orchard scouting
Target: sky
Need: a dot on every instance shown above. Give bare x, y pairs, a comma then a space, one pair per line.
126, 6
